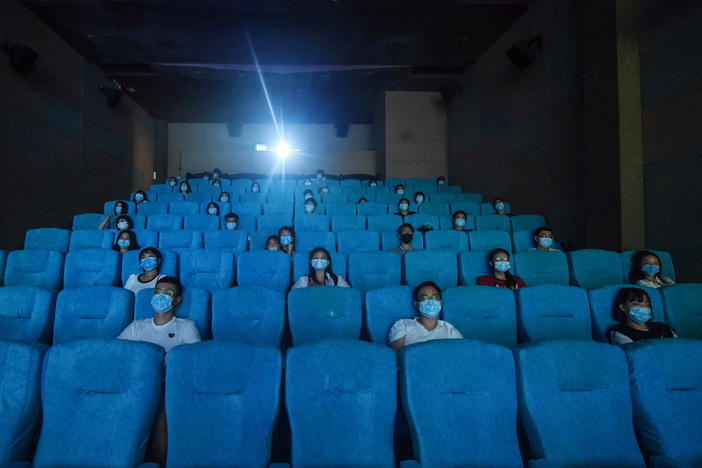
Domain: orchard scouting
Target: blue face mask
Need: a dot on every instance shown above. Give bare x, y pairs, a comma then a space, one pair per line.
172, 183
161, 303
309, 208
286, 240
419, 200
545, 242
122, 225
400, 191
502, 266
231, 226
148, 263
308, 196
224, 199
500, 206
118, 209
138, 197
307, 182
123, 243
640, 315
212, 211
183, 188
650, 270
403, 206
460, 222
442, 182
430, 308
255, 189
319, 263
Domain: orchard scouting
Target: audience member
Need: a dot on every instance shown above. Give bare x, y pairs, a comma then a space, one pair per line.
632, 309
213, 209
126, 241
150, 260
172, 181
400, 189
320, 273
406, 234
307, 182
273, 243
255, 188
498, 260
307, 194
543, 236
323, 190
499, 205
287, 239
419, 198
646, 270
362, 200
185, 187
139, 197
403, 208
224, 197
124, 222
231, 221
441, 180
373, 183
119, 208
459, 220
310, 205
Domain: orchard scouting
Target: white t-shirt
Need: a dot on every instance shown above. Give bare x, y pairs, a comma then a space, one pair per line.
135, 285
169, 335
414, 332
304, 281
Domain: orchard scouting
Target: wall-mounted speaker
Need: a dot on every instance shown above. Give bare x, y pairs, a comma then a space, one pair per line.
22, 57
342, 130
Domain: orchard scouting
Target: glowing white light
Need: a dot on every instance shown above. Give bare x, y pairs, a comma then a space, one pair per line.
283, 149
261, 147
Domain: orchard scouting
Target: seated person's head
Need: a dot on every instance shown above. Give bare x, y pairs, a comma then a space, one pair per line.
168, 293
213, 209
172, 181
632, 304
400, 189
273, 243
121, 208
498, 260
185, 187
216, 173
307, 194
126, 240
255, 188
216, 183
405, 233
324, 189
362, 200
307, 181
320, 260
124, 222
644, 263
286, 235
150, 258
419, 198
427, 299
441, 180
459, 219
498, 204
320, 174
206, 175
403, 204
373, 182
224, 197
310, 205
543, 236
140, 196
231, 221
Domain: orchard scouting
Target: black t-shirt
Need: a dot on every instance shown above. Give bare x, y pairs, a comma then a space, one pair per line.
655, 330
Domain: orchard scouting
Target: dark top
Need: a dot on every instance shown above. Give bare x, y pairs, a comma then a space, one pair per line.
619, 333
489, 280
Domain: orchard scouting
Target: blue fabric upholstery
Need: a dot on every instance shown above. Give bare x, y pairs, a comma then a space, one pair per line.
482, 313
198, 197
184, 209
247, 208
335, 197
358, 241
440, 266
312, 222
279, 209
593, 268
666, 389
341, 398
229, 241
146, 238
248, 314
351, 222
523, 240
247, 222
204, 222
109, 207
87, 221
160, 188
324, 312
602, 306
301, 264
91, 239
99, 401
180, 240
419, 220
434, 208
20, 377
374, 270
682, 309
263, 268
308, 240
667, 269
389, 198
488, 208
273, 221
446, 224
333, 209
42, 268
488, 240
384, 307
221, 403
455, 241
575, 404
195, 307
257, 240
138, 220
527, 222
441, 197
156, 207
92, 267
130, 264
167, 198
389, 240
251, 197
542, 267
550, 311
47, 238
471, 209
211, 270
371, 208
384, 222
92, 312
492, 222
460, 398
26, 314
164, 222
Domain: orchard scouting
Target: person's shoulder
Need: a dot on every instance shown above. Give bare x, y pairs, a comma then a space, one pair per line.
659, 327
404, 322
485, 279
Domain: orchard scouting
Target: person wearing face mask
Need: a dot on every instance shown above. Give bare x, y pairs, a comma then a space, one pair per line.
213, 209
126, 241
373, 183
323, 190
172, 181
139, 197
320, 273
320, 175
459, 220
406, 234
255, 188
499, 205
362, 200
400, 189
231, 221
441, 181
543, 237
403, 208
286, 234
120, 208
124, 222
310, 205
500, 277
632, 309
425, 327
216, 183
216, 174
307, 182
150, 260
224, 197
273, 243
646, 270
205, 176
184, 187
419, 198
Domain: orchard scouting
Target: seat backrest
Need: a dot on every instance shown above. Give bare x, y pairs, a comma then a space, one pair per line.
527, 222
263, 268
419, 220
20, 377
195, 306
257, 240
455, 241
374, 270
574, 395
358, 380
542, 267
371, 208
26, 314
157, 207
273, 221
682, 309
199, 378
308, 240
251, 208
41, 268
74, 402
164, 222
324, 312
350, 222
446, 224
482, 313
230, 241
47, 238
594, 268
440, 266
185, 208
442, 197
602, 308
389, 240
358, 241
248, 314
131, 266
523, 240
460, 398
91, 239
333, 209
469, 208
493, 222
666, 390
667, 269
301, 264
169, 197
384, 222
312, 222
92, 267
180, 240
207, 269
146, 238
251, 197
87, 221
199, 197
335, 197
488, 240
160, 188
488, 209
551, 311
383, 307
204, 222
470, 197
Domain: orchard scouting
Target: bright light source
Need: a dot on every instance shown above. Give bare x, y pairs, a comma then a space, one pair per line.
261, 147
283, 149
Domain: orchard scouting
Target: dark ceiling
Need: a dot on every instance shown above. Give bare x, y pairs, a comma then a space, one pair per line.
323, 61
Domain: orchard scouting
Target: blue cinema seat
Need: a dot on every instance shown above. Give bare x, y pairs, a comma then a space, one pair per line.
211, 270
384, 222
146, 238
551, 311
251, 197
160, 188
440, 266
349, 222
460, 398
264, 268
482, 313
229, 241
257, 240
389, 240
91, 239
324, 312
92, 312
204, 222
47, 238
683, 309
488, 209
301, 265
221, 402
666, 389
454, 241
434, 208
80, 382
87, 221
440, 197
312, 222
470, 197
488, 240
248, 314
156, 207
575, 404
333, 209
371, 208
131, 266
247, 222
493, 222
667, 268
273, 221
168, 198
541, 267
383, 307
358, 241
469, 208
523, 240
26, 314
602, 308
3, 262
164, 222
341, 400
527, 222
335, 197
594, 268
200, 197
419, 220
250, 208
308, 240
41, 268
180, 240
184, 209
374, 270
20, 377
195, 307
92, 267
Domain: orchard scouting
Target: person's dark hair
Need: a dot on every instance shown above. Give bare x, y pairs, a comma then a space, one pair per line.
216, 182
541, 229
272, 237
212, 205
455, 215
497, 199
306, 192
625, 296
441, 178
231, 215
146, 198
312, 277
123, 204
133, 245
398, 186
216, 171
415, 292
127, 218
403, 200
187, 184
287, 228
174, 281
419, 193
635, 273
206, 174
362, 198
510, 280
405, 225
152, 250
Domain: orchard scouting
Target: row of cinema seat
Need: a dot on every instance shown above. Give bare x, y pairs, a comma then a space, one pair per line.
580, 403
256, 315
